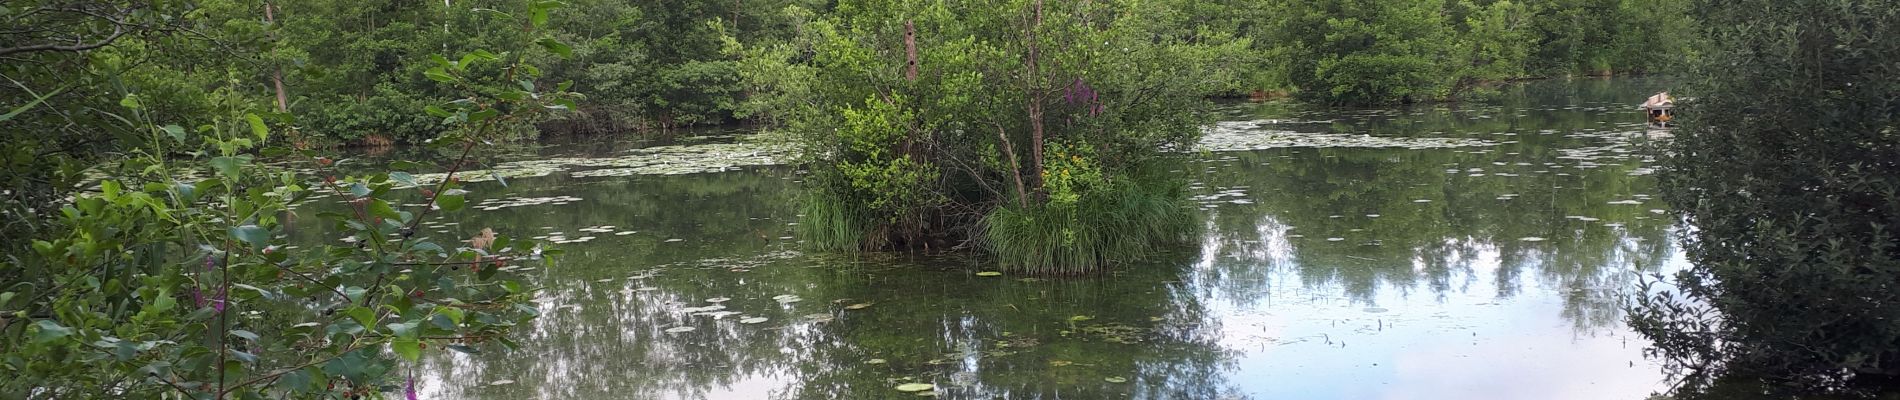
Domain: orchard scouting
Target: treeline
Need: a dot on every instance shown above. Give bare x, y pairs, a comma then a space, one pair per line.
351, 71
1363, 52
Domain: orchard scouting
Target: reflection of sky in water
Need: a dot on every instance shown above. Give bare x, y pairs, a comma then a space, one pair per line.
1304, 341
1427, 300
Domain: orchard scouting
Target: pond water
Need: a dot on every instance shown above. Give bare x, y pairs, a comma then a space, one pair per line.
1493, 266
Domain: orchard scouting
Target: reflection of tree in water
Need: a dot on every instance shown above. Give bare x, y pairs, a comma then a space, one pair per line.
988, 336
1329, 193
930, 321
1013, 339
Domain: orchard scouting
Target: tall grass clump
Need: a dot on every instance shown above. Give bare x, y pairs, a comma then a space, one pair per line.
831, 224
1138, 221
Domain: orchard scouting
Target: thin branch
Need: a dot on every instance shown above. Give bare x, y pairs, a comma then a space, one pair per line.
118, 30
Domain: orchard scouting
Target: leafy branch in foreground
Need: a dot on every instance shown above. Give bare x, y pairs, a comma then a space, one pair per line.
181, 278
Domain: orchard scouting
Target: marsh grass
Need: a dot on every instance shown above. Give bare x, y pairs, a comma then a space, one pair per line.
1137, 221
831, 224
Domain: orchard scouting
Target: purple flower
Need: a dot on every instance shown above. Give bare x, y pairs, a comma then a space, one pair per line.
409, 391
211, 263
217, 301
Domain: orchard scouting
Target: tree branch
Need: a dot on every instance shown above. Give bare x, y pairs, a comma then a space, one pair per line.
118, 30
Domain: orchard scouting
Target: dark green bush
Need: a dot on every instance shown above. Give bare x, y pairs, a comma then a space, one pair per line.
1788, 169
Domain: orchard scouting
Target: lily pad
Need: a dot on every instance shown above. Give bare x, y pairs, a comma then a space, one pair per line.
1532, 239
915, 387
754, 320
501, 382
989, 273
875, 361
718, 300
859, 306
680, 329
1115, 379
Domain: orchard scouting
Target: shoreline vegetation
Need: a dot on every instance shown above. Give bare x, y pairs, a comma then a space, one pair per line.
1044, 132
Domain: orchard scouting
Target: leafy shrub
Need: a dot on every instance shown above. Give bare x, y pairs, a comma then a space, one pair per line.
1786, 168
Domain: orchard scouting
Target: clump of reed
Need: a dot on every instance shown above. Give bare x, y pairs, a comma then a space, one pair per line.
1134, 220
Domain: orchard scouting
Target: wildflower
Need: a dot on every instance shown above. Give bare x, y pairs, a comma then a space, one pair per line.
409, 390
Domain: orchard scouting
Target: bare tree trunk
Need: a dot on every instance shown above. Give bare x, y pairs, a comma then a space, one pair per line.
1034, 77
1015, 166
910, 51
277, 76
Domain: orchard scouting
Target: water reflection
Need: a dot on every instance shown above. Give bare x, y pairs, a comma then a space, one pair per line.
1478, 272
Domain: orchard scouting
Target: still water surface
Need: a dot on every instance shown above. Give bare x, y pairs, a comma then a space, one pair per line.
1487, 272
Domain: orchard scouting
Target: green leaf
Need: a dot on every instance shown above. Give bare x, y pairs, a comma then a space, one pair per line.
362, 315
437, 111
131, 101
406, 330
455, 314
381, 208
556, 47
477, 55
176, 132
451, 201
49, 331
258, 128
246, 335
227, 166
409, 349
403, 178
478, 116
29, 105
439, 75
244, 357
257, 236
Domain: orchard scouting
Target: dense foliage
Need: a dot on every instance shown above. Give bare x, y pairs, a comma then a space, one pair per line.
170, 273
1787, 170
1034, 128
1371, 52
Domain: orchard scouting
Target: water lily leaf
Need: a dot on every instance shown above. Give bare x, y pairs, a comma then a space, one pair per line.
858, 306
915, 387
680, 329
1115, 379
989, 273
754, 320
875, 361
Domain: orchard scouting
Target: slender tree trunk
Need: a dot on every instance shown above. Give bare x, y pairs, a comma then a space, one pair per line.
277, 75
910, 51
1034, 86
1015, 166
